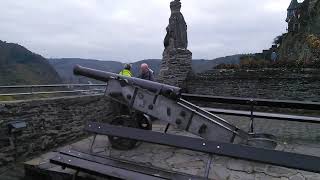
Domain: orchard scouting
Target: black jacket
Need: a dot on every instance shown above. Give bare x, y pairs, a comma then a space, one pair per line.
147, 76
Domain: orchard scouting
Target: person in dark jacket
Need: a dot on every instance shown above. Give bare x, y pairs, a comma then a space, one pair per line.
146, 73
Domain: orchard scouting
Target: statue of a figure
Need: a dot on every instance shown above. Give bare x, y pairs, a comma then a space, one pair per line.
177, 29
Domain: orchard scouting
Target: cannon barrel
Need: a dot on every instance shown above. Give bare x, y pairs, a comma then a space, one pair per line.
166, 90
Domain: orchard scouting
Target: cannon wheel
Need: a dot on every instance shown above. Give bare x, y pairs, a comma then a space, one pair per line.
144, 121
123, 143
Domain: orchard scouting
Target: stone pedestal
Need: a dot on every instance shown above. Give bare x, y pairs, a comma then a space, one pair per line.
175, 67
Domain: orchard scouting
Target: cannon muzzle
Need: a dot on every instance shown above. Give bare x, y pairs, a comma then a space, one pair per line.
155, 87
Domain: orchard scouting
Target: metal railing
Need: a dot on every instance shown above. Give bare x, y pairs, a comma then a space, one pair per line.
264, 115
252, 103
255, 102
38, 89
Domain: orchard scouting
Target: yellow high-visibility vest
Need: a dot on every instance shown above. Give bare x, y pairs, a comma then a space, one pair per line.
126, 72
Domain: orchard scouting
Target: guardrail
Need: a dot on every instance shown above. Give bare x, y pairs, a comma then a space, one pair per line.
72, 88
51, 85
269, 116
254, 102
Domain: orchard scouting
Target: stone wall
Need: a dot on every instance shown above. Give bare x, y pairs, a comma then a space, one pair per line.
50, 123
175, 67
302, 85
265, 84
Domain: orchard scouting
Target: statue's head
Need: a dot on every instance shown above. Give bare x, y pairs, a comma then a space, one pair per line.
175, 6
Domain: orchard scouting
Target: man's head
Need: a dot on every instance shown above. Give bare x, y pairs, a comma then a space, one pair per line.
127, 66
144, 68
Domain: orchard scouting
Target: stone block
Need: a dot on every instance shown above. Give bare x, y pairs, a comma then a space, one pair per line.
175, 67
240, 165
219, 172
277, 171
235, 175
297, 177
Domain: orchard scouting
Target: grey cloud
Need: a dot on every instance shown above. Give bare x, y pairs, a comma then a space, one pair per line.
129, 30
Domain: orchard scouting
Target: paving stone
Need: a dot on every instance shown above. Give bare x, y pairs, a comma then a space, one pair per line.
235, 175
240, 165
261, 176
313, 151
259, 167
297, 177
280, 171
219, 172
312, 178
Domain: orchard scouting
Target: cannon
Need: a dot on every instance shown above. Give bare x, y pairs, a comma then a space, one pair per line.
152, 99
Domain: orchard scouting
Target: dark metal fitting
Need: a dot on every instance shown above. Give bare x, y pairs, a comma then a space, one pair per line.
202, 129
140, 95
129, 96
150, 107
168, 111
183, 114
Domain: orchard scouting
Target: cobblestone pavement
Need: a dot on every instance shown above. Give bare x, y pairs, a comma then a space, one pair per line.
12, 172
293, 137
194, 162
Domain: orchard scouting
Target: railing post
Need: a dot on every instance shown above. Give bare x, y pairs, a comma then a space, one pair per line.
252, 116
31, 89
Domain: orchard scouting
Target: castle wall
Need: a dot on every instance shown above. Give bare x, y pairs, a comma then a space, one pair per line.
50, 123
264, 84
267, 84
54, 122
301, 138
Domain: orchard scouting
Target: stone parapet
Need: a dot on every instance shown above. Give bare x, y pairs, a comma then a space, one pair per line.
301, 85
50, 123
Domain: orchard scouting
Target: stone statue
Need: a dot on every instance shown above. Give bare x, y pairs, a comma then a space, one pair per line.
176, 36
176, 58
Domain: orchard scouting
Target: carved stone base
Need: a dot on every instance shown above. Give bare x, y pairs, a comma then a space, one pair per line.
175, 67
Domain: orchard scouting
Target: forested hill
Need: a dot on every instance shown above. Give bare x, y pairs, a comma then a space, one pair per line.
18, 65
65, 66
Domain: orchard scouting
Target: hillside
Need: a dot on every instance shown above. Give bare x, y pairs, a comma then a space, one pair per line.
303, 45
65, 66
20, 66
200, 66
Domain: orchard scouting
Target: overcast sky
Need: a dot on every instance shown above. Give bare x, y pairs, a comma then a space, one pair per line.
130, 30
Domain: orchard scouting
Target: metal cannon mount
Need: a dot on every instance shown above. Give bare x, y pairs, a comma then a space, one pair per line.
164, 102
146, 100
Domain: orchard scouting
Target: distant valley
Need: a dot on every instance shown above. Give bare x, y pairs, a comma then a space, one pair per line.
65, 66
20, 66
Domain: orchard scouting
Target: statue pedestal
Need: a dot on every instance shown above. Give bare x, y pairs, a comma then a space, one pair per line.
175, 67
